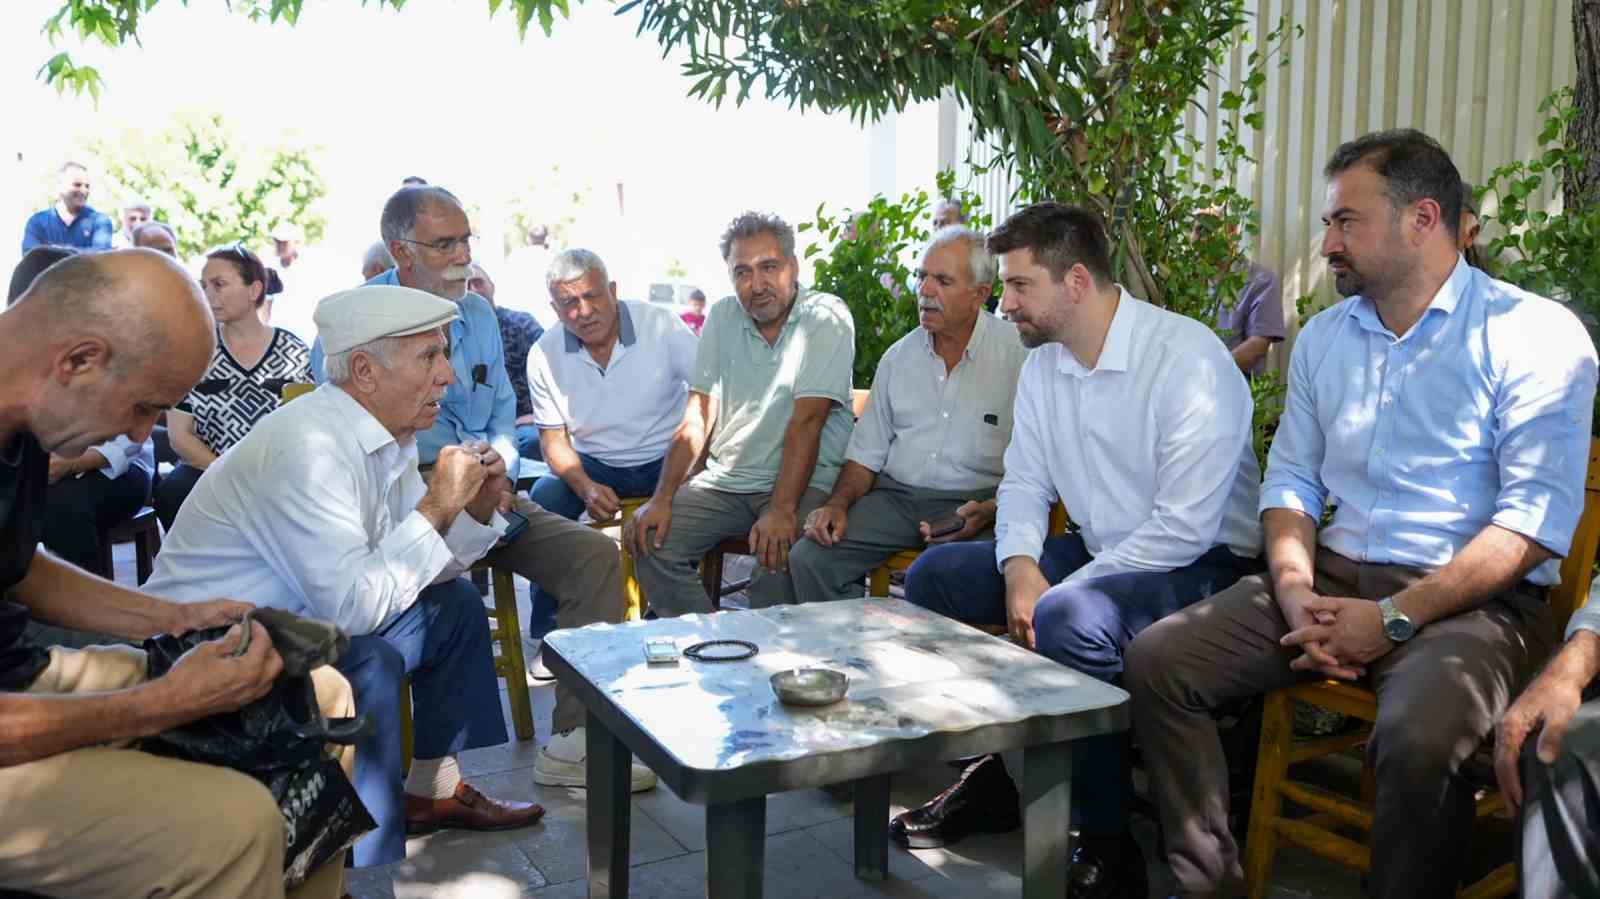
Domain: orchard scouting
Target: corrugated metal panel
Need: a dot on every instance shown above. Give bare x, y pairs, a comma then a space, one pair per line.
1469, 72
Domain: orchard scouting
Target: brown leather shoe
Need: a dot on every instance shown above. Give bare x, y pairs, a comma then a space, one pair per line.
468, 809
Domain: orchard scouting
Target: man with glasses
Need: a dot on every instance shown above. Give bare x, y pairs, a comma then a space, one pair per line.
926, 456
427, 232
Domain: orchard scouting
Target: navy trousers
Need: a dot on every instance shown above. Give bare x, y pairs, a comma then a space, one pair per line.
442, 641
553, 494
1085, 625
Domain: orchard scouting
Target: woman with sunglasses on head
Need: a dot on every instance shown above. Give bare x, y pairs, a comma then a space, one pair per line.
249, 368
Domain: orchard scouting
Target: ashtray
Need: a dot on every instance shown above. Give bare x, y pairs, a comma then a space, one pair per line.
810, 686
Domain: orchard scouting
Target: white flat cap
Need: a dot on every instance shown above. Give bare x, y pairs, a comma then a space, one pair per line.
350, 318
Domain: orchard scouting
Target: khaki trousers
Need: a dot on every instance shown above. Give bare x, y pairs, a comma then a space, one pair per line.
578, 565
1439, 696
112, 821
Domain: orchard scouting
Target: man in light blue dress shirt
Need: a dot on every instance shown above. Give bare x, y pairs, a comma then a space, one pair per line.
1444, 418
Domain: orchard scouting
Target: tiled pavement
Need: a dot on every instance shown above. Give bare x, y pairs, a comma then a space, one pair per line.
808, 849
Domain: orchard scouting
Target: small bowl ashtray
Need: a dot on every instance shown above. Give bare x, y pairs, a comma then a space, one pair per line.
810, 686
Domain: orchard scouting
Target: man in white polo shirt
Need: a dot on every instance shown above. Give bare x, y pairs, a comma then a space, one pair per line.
608, 385
927, 450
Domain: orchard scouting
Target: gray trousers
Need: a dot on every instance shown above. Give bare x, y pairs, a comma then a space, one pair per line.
702, 518
577, 565
880, 524
1439, 695
1561, 818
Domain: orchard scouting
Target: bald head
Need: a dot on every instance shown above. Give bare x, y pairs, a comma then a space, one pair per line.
117, 337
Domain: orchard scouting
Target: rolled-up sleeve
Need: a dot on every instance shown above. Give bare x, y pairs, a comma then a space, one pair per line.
1027, 489
1294, 465
1587, 618
869, 442
1543, 415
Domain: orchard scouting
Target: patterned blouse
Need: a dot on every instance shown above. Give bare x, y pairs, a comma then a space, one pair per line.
230, 398
519, 331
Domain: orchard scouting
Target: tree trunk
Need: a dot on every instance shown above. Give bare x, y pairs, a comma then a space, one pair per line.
1583, 185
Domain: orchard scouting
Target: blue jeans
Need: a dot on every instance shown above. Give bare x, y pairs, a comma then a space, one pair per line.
553, 494
442, 641
1084, 625
528, 442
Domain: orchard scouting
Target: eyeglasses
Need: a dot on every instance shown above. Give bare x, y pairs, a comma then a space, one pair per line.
445, 245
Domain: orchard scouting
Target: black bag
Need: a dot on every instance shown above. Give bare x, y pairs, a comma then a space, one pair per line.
279, 740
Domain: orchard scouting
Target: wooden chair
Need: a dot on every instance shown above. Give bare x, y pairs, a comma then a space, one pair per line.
711, 569
1330, 810
632, 596
144, 532
509, 663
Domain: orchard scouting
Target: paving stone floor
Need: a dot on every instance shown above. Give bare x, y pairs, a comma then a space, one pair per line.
808, 849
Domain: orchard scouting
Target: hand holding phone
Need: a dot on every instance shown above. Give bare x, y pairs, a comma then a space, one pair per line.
944, 527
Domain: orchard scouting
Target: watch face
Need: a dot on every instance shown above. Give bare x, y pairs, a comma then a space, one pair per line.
1399, 629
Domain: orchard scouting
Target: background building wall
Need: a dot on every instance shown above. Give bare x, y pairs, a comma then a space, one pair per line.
1469, 72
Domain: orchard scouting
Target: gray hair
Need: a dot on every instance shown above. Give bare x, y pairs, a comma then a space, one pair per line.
947, 203
570, 265
154, 225
980, 262
378, 254
136, 203
399, 219
750, 224
336, 368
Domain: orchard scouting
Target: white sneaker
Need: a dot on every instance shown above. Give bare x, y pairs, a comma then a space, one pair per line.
537, 669
561, 764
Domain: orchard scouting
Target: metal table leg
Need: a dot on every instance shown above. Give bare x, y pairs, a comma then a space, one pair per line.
1046, 818
735, 845
872, 827
608, 766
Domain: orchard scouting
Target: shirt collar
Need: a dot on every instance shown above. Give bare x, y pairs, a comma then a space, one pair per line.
1116, 352
368, 431
979, 331
1448, 296
625, 333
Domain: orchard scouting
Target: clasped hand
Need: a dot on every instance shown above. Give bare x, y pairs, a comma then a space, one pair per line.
1340, 635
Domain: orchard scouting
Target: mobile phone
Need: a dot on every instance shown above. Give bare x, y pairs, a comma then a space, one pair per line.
944, 527
660, 652
516, 523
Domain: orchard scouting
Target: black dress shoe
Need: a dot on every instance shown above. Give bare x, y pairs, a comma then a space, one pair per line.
1107, 868
983, 800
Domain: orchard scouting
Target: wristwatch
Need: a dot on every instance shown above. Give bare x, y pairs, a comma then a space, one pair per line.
1396, 624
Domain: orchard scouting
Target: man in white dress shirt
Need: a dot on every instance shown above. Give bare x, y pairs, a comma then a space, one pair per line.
320, 511
929, 444
1139, 421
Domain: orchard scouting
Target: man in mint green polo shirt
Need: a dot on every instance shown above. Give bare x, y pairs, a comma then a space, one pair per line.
771, 389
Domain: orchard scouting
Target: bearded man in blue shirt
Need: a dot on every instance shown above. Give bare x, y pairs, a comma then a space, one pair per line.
1444, 418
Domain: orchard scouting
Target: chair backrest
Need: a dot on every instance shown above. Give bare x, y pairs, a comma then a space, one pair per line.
291, 391
1577, 569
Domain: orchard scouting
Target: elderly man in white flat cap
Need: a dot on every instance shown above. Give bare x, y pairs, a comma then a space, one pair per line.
320, 511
